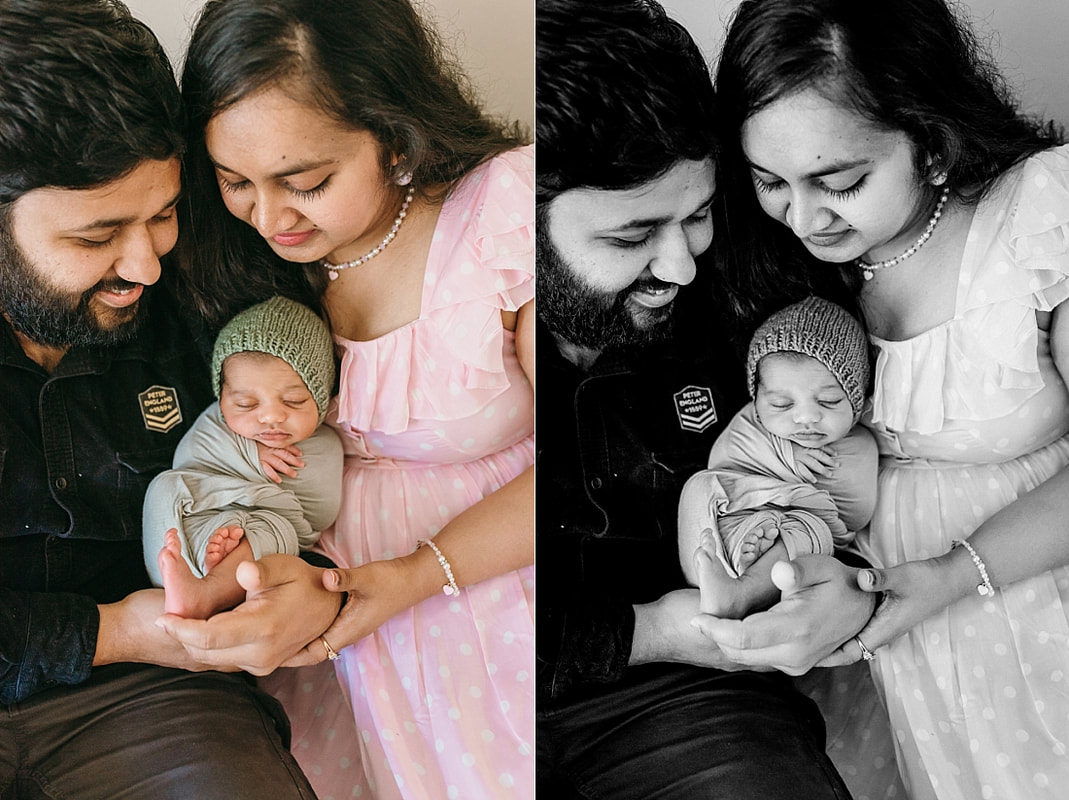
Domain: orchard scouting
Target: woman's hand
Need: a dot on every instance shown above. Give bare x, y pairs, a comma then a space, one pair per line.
912, 592
279, 461
377, 591
820, 608
286, 607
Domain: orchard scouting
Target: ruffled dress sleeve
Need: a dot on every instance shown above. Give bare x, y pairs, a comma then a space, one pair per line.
986, 362
450, 362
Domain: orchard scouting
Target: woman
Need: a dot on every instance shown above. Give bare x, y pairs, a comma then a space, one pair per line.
336, 158
879, 136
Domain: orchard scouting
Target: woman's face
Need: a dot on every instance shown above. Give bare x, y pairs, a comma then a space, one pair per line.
310, 186
844, 187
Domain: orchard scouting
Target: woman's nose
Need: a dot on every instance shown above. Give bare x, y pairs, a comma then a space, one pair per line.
271, 215
806, 215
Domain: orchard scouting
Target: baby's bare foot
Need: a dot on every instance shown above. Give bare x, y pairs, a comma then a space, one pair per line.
221, 544
755, 544
184, 593
720, 594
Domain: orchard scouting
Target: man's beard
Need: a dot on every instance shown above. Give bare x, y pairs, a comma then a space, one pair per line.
586, 317
53, 318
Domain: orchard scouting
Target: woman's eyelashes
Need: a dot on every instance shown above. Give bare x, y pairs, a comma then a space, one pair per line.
767, 186
302, 194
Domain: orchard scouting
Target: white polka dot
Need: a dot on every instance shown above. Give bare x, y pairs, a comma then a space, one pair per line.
468, 760
453, 792
506, 180
467, 268
988, 714
465, 649
386, 734
1022, 736
487, 735
475, 692
505, 706
489, 411
979, 671
453, 713
1002, 760
506, 780
439, 745
435, 631
522, 676
508, 637
1041, 180
444, 671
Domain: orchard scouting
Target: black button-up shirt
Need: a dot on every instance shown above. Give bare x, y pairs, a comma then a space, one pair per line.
78, 447
615, 447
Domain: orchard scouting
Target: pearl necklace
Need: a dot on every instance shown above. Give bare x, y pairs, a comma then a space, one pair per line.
333, 269
869, 269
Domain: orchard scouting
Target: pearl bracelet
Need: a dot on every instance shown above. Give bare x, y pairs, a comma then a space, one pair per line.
985, 589
450, 588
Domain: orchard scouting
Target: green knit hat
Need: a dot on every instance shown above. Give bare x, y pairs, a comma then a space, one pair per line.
285, 329
823, 331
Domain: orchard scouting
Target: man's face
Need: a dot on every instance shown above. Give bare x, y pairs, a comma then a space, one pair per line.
75, 262
611, 262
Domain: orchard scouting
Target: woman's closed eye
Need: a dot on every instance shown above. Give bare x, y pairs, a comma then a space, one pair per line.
769, 185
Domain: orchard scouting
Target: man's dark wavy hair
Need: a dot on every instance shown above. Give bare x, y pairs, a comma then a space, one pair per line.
86, 94
622, 95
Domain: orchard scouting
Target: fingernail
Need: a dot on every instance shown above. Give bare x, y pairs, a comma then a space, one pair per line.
334, 579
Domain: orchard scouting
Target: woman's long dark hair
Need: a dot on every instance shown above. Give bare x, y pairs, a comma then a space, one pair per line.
905, 65
372, 65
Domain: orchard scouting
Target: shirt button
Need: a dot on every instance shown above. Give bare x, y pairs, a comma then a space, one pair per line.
61, 483
595, 483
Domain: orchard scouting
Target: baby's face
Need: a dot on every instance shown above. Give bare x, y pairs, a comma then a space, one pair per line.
797, 398
264, 399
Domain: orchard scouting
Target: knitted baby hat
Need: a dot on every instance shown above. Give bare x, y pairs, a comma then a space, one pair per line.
820, 330
285, 329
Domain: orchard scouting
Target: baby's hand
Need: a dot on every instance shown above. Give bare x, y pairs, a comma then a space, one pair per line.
813, 461
276, 460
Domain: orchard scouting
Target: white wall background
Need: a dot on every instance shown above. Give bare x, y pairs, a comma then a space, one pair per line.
494, 39
1029, 38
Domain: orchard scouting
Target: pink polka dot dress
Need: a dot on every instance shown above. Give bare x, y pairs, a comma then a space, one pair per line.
435, 416
969, 416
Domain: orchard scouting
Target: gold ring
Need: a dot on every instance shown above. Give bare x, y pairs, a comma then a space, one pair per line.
866, 654
332, 654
